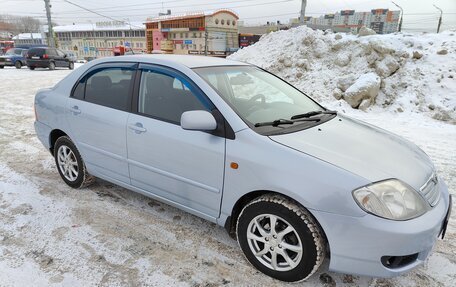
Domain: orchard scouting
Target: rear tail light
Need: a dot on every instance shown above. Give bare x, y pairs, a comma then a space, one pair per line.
45, 56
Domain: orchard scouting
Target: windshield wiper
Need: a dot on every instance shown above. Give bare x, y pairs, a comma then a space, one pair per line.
313, 113
284, 122
275, 123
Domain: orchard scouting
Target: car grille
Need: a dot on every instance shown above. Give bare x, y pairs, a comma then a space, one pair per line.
2, 60
430, 190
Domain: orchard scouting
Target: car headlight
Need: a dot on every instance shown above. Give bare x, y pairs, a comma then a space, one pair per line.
391, 199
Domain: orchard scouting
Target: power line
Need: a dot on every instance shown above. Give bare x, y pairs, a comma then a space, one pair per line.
99, 14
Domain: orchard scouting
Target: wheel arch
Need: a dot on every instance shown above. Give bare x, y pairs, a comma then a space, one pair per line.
230, 223
53, 136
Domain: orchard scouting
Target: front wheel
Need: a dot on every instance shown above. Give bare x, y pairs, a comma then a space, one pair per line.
71, 65
31, 68
280, 238
70, 164
51, 66
18, 64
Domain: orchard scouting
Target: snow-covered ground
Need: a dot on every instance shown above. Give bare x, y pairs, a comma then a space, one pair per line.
104, 235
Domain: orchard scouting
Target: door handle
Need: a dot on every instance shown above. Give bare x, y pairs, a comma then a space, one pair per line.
138, 128
75, 110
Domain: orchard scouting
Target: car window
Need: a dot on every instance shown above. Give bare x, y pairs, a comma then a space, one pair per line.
51, 52
60, 53
109, 87
166, 97
36, 52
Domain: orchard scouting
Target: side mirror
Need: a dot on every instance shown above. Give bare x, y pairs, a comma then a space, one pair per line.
198, 121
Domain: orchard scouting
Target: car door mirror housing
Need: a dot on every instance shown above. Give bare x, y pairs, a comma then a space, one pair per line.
198, 121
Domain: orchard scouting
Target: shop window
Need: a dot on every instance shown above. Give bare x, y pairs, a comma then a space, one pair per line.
222, 22
216, 21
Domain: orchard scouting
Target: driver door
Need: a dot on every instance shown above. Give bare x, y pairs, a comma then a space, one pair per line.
184, 167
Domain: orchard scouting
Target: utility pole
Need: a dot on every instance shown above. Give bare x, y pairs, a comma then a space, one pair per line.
51, 41
402, 15
303, 12
206, 36
440, 18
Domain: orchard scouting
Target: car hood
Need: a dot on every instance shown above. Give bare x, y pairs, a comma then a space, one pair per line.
6, 56
362, 149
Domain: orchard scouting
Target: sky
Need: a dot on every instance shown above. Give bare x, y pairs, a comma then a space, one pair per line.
419, 15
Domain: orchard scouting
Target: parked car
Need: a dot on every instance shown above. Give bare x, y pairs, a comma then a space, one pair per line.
293, 182
71, 56
14, 57
48, 58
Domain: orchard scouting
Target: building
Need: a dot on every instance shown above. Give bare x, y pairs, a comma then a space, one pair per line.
246, 40
101, 38
212, 33
28, 39
382, 21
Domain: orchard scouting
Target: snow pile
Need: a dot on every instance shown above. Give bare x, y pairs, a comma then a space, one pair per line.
396, 72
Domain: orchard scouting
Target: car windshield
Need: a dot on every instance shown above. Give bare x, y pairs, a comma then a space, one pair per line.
260, 98
14, 52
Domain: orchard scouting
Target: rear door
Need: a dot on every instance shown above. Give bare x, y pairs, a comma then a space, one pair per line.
185, 167
61, 60
97, 113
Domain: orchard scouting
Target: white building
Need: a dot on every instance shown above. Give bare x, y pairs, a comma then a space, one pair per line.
382, 21
99, 39
27, 39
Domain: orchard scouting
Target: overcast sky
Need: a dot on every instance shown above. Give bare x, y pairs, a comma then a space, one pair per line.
419, 14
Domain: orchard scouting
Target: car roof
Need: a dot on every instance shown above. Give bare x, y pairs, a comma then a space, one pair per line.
191, 61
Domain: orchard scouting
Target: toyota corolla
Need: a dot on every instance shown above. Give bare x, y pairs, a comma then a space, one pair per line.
293, 182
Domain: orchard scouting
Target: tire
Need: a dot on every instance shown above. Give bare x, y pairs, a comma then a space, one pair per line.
18, 64
51, 66
31, 68
1, 67
70, 165
303, 242
71, 65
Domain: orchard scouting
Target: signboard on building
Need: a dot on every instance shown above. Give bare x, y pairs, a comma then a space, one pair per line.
329, 16
178, 42
188, 42
377, 27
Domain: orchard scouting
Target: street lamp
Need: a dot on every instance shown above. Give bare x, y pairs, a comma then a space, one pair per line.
402, 15
440, 18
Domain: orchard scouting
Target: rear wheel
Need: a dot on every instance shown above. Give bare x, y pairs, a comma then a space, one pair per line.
280, 238
1, 67
69, 163
71, 66
51, 66
18, 64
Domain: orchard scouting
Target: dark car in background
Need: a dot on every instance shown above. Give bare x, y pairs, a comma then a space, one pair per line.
14, 57
48, 58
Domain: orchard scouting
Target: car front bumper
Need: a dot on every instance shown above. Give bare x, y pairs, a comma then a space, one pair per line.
358, 244
7, 63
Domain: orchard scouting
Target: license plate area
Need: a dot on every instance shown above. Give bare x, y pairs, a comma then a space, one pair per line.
35, 57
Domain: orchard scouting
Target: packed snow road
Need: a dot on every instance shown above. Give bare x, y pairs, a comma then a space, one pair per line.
104, 235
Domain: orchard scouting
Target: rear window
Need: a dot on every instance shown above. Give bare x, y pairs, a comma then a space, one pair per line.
36, 52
